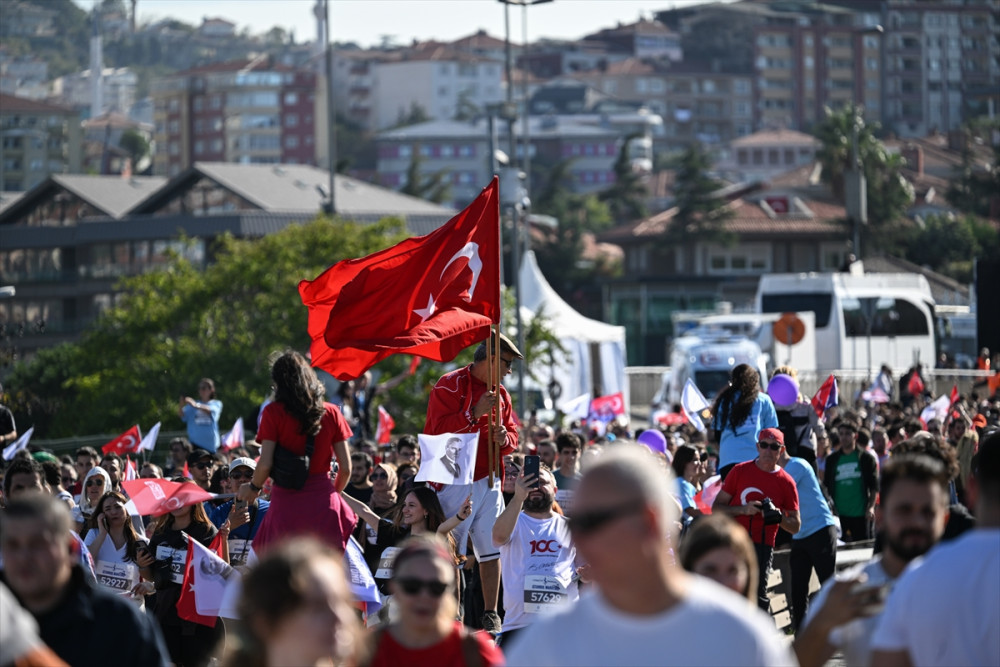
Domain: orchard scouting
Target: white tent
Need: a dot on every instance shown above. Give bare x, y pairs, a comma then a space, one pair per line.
587, 342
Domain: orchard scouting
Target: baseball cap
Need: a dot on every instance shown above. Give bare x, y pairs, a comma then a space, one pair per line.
197, 454
241, 462
771, 434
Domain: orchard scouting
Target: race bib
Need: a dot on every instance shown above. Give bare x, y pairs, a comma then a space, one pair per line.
118, 577
238, 551
384, 570
543, 593
177, 558
371, 535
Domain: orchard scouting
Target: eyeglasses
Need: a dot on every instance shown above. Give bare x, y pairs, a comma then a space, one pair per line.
773, 446
508, 362
94, 482
201, 465
412, 586
584, 523
241, 475
68, 480
380, 475
512, 471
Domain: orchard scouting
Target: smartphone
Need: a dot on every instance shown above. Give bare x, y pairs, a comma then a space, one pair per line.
531, 463
873, 598
240, 504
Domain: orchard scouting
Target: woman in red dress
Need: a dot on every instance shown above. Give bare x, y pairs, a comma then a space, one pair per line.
298, 411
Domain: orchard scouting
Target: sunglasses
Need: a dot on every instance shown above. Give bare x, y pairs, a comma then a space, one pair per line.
507, 362
589, 522
241, 475
201, 465
68, 480
773, 446
412, 586
94, 482
380, 475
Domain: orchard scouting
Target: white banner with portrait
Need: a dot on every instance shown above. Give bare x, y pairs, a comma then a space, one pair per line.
449, 458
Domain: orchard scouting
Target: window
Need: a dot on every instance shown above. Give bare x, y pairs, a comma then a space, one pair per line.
818, 303
405, 150
291, 99
292, 141
291, 120
741, 87
199, 147
892, 317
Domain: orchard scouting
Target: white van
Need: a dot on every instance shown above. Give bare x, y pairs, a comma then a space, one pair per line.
862, 321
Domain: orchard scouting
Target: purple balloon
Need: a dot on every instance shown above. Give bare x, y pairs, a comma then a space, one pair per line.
654, 439
783, 389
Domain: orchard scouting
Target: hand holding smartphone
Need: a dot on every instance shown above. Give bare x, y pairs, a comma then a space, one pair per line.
531, 467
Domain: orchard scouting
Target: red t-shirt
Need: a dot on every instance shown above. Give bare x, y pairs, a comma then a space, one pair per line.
447, 653
277, 425
747, 483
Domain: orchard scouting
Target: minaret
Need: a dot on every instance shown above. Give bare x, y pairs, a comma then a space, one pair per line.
96, 65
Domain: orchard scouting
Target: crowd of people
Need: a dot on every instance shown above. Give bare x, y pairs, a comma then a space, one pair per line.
586, 547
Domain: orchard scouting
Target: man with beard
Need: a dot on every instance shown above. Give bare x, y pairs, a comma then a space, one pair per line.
911, 517
537, 556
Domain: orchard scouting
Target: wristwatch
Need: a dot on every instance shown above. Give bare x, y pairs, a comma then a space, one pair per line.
254, 486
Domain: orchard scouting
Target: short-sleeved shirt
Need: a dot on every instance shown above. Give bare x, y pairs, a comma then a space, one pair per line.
390, 653
739, 445
277, 425
685, 494
203, 427
848, 488
746, 483
813, 508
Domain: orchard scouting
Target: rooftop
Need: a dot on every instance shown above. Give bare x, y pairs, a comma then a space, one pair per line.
13, 104
775, 138
111, 195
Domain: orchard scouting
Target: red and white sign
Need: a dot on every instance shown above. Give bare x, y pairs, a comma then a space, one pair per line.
778, 204
606, 408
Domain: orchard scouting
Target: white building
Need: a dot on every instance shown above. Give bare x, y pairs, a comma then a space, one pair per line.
118, 89
763, 155
439, 80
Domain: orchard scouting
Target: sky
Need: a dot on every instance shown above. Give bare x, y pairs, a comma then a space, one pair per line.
367, 21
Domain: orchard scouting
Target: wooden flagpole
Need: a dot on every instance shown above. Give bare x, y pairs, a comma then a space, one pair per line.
497, 446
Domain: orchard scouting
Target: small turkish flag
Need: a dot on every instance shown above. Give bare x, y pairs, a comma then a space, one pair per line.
154, 496
383, 434
126, 442
429, 296
916, 384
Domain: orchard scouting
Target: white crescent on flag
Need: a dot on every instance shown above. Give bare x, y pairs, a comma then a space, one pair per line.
471, 252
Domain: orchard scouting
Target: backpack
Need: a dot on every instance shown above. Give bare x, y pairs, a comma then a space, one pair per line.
795, 429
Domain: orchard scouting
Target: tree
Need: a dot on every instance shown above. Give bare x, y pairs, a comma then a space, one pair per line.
134, 144
416, 114
174, 326
974, 187
948, 244
434, 187
889, 193
701, 213
626, 198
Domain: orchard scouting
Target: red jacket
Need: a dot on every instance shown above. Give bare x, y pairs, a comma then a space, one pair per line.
450, 410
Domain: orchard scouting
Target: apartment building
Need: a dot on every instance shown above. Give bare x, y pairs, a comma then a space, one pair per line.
37, 139
940, 59
806, 61
438, 79
248, 112
118, 87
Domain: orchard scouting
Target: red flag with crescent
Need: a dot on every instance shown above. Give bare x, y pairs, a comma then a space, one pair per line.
429, 296
158, 496
125, 443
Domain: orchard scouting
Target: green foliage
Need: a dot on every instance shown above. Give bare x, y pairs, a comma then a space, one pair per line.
948, 245
626, 197
135, 144
175, 326
66, 51
417, 114
701, 213
973, 186
434, 187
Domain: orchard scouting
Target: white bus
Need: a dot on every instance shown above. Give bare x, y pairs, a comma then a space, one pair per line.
862, 321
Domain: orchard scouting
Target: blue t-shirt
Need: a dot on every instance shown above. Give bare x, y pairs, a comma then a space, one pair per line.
247, 531
741, 445
813, 508
685, 493
203, 427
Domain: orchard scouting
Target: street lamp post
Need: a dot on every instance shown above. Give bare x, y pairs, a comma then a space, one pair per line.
519, 206
855, 185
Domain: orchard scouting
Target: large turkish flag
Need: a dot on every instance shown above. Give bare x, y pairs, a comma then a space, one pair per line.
429, 296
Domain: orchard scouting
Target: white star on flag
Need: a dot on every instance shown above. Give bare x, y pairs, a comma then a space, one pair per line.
424, 313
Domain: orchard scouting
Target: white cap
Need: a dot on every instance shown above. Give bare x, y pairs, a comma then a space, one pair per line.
242, 461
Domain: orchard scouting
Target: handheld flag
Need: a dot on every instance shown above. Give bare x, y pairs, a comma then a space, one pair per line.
383, 433
827, 396
126, 442
234, 438
694, 404
577, 408
449, 458
916, 384
17, 445
362, 582
936, 410
436, 295
149, 442
205, 579
709, 491
159, 496
606, 408
954, 395
130, 471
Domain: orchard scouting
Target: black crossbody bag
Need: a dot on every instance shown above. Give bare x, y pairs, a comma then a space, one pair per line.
290, 471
